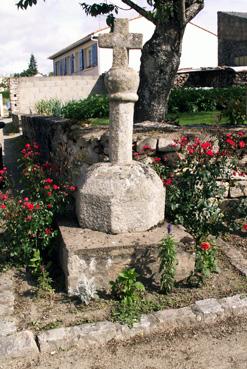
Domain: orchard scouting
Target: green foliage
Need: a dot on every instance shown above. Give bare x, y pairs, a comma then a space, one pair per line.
49, 107
126, 288
167, 256
101, 9
6, 94
128, 291
95, 106
235, 110
24, 4
28, 215
198, 99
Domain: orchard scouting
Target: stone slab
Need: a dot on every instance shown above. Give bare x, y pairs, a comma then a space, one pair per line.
91, 254
18, 345
7, 327
209, 309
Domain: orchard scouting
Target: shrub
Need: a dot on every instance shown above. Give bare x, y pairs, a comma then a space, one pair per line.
199, 99
167, 256
95, 106
28, 216
49, 107
235, 111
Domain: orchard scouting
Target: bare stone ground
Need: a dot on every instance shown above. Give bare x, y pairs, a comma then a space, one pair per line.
220, 347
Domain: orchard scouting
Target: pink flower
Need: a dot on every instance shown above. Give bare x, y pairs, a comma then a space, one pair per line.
28, 218
240, 133
190, 150
47, 187
28, 146
29, 206
49, 193
26, 198
72, 188
49, 206
55, 187
3, 206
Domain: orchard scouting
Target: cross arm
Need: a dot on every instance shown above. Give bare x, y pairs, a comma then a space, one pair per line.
146, 14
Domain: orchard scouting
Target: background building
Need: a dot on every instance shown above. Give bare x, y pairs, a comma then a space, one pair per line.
86, 58
232, 36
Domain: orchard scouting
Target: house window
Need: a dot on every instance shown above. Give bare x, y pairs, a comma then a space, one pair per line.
65, 66
91, 56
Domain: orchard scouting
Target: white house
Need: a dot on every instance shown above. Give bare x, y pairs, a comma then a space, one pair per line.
84, 57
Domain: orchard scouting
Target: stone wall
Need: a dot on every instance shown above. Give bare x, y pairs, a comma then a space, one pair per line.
73, 148
232, 37
220, 77
27, 91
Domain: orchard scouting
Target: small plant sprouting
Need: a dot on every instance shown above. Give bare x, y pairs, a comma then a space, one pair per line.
87, 290
167, 256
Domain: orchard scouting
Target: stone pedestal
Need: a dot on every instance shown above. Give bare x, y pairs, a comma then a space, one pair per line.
120, 198
100, 257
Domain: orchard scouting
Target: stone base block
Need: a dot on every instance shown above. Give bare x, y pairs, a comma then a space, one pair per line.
92, 256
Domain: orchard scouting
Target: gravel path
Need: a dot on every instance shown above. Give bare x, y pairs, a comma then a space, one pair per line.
220, 347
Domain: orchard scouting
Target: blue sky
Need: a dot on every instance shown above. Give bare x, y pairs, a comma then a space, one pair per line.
52, 25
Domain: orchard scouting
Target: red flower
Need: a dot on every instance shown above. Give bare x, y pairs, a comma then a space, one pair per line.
240, 133
72, 188
37, 206
55, 187
49, 193
47, 187
190, 150
241, 144
29, 206
49, 206
228, 135
48, 180
245, 227
48, 231
210, 153
4, 196
146, 147
28, 218
206, 145
230, 142
156, 160
167, 182
3, 206
28, 146
205, 246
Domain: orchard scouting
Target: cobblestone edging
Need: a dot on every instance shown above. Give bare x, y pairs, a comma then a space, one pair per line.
15, 344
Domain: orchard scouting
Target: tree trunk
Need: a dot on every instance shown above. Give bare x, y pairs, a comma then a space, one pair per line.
159, 64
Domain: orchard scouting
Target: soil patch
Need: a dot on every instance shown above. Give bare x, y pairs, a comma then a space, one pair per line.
57, 309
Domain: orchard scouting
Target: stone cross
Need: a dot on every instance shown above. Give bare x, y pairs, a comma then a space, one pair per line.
122, 83
121, 41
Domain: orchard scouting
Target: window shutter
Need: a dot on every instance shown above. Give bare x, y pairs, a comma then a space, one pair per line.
72, 63
81, 59
94, 55
65, 66
60, 67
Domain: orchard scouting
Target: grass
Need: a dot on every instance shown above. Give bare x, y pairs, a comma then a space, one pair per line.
183, 119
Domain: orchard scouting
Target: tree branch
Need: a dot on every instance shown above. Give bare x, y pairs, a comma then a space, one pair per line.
146, 14
193, 10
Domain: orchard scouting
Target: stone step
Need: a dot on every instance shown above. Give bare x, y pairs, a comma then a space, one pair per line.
88, 255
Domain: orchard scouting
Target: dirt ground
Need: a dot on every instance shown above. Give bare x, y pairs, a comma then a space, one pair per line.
219, 347
56, 310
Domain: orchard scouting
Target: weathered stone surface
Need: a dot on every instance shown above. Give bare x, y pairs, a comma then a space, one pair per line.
148, 141
82, 335
209, 309
237, 259
239, 189
167, 145
18, 345
118, 199
7, 327
171, 319
91, 254
234, 305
